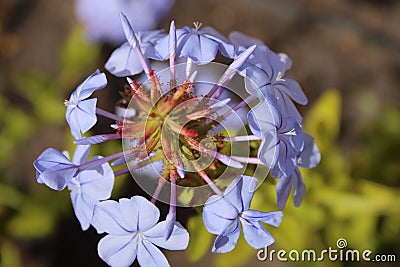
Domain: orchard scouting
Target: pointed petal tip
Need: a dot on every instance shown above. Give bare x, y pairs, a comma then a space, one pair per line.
181, 173
252, 47
122, 16
220, 104
170, 223
248, 51
193, 76
228, 161
124, 20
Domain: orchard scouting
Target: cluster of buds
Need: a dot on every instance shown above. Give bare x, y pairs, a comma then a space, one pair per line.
191, 135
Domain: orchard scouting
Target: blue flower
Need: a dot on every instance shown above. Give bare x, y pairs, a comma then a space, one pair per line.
282, 137
223, 215
124, 61
54, 169
81, 113
200, 45
89, 186
133, 232
309, 157
101, 17
265, 75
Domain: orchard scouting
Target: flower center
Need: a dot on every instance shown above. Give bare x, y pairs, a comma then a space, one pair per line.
173, 127
72, 103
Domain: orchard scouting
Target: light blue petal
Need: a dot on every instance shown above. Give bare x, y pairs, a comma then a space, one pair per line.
170, 223
285, 105
226, 241
150, 38
283, 188
286, 161
107, 217
268, 152
58, 179
226, 48
255, 235
148, 41
276, 63
118, 251
85, 114
291, 131
38, 179
51, 158
81, 154
293, 89
161, 51
81, 117
264, 118
199, 45
149, 255
310, 156
218, 214
299, 189
251, 82
285, 60
54, 169
97, 184
94, 82
273, 218
73, 124
178, 240
276, 172
83, 207
124, 61
139, 213
240, 192
200, 49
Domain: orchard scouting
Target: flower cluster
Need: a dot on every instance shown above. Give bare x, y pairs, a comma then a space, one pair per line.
178, 125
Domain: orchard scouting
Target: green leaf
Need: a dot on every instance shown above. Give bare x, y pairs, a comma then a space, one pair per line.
9, 196
239, 256
78, 56
323, 120
16, 126
200, 239
44, 94
186, 195
33, 221
9, 254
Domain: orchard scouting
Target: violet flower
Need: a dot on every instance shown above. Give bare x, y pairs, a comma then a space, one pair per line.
223, 216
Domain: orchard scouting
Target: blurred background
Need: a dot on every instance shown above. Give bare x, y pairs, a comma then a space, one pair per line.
346, 56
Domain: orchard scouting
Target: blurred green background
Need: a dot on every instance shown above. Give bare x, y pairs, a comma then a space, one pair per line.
346, 55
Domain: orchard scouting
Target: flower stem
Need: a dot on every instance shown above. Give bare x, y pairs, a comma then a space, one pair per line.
160, 184
241, 138
247, 160
94, 163
210, 183
122, 171
240, 105
109, 115
244, 102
